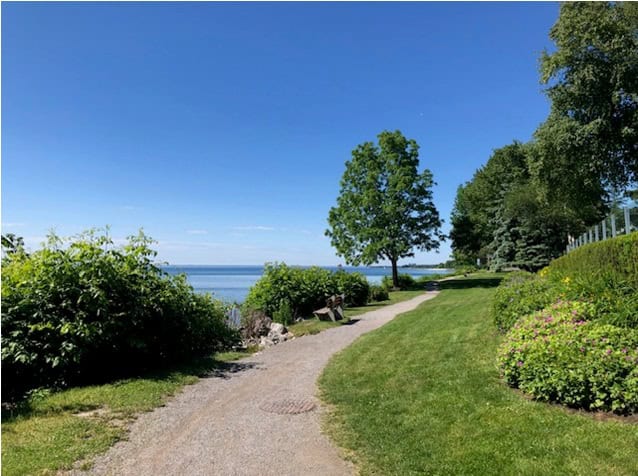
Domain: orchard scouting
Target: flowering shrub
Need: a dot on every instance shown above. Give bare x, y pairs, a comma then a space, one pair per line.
519, 294
560, 354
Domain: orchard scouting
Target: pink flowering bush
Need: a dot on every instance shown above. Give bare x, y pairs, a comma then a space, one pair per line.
519, 294
559, 354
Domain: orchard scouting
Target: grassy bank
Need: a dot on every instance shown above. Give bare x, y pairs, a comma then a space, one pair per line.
422, 395
314, 326
52, 432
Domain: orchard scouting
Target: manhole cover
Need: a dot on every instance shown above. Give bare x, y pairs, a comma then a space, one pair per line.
288, 406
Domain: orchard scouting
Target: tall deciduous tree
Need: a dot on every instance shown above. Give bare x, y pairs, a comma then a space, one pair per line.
499, 214
384, 209
588, 147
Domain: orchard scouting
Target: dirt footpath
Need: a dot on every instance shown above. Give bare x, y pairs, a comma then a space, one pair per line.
238, 422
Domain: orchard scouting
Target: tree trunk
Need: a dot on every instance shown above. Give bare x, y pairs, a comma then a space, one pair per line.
395, 273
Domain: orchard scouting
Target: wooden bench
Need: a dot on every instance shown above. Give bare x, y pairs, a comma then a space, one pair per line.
333, 309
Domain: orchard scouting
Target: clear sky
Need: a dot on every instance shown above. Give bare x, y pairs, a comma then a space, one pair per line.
222, 129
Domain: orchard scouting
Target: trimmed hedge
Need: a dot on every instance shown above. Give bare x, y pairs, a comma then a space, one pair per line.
82, 310
615, 259
604, 274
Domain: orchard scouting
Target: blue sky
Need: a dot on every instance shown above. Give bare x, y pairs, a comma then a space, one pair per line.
222, 129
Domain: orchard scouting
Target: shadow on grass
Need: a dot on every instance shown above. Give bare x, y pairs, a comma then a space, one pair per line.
200, 367
467, 283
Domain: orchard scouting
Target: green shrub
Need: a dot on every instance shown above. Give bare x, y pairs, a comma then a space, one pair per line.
519, 294
604, 273
406, 282
284, 314
354, 286
614, 260
378, 293
560, 354
83, 311
304, 289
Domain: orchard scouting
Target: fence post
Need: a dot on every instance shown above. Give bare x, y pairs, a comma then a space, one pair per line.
613, 226
591, 238
596, 233
605, 229
627, 222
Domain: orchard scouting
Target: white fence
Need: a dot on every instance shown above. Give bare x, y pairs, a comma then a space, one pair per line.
619, 222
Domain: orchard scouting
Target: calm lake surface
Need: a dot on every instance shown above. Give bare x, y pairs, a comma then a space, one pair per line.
231, 283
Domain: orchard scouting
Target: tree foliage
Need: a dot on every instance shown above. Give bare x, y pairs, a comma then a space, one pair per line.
384, 209
498, 215
588, 147
519, 208
12, 244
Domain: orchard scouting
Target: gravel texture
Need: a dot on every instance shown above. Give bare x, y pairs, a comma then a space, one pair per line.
216, 426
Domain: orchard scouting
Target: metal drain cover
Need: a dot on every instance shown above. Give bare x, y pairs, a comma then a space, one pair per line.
288, 406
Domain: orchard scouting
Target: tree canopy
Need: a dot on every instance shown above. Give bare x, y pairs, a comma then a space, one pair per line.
384, 209
518, 209
499, 216
587, 149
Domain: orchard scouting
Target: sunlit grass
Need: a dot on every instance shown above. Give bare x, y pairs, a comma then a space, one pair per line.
422, 395
314, 325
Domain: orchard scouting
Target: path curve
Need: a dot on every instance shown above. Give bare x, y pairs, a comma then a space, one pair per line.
215, 427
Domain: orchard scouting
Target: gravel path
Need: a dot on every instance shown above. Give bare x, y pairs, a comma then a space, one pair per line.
216, 427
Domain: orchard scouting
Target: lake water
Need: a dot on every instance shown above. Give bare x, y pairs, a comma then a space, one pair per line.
231, 283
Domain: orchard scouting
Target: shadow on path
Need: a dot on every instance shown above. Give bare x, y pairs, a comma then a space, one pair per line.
350, 322
226, 370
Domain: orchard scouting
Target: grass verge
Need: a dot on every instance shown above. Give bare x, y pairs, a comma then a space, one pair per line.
51, 432
314, 326
422, 395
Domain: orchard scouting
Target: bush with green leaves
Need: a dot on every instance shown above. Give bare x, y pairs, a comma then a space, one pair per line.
378, 293
354, 286
563, 354
303, 289
519, 294
284, 314
406, 282
614, 260
604, 273
82, 310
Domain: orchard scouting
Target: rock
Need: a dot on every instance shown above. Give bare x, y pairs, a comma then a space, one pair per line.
257, 324
278, 328
277, 334
265, 342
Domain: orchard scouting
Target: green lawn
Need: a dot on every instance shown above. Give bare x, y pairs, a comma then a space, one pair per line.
314, 325
46, 435
422, 395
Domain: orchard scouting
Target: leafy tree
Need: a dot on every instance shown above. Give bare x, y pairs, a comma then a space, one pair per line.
468, 233
499, 215
384, 209
588, 147
12, 243
477, 212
